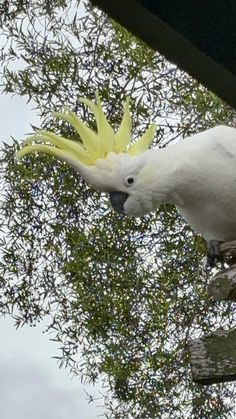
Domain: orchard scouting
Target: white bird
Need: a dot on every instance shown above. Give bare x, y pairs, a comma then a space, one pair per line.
197, 174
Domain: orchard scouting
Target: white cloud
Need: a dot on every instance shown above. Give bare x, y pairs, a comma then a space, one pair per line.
32, 385
26, 392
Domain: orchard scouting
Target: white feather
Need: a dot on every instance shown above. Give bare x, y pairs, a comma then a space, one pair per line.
198, 175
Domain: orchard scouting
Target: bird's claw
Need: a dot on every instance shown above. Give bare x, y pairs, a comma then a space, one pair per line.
205, 266
213, 253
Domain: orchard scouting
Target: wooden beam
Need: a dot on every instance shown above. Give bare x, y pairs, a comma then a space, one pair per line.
160, 36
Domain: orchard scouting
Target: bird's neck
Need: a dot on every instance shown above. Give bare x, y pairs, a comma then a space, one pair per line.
166, 177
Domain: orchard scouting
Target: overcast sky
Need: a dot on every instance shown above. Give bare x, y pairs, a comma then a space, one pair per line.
31, 384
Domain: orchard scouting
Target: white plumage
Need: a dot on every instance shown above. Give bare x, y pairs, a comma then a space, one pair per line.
198, 175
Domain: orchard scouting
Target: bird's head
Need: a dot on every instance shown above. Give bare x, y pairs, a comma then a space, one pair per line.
110, 162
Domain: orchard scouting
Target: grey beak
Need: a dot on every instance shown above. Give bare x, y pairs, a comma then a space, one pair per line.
117, 200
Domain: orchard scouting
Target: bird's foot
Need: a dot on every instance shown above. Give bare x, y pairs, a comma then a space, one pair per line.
213, 253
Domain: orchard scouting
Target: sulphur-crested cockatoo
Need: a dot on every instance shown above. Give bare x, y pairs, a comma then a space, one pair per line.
198, 174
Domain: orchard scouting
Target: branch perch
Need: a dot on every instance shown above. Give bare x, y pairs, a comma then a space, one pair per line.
223, 285
213, 357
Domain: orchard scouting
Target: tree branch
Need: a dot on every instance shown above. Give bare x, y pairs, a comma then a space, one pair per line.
213, 357
223, 285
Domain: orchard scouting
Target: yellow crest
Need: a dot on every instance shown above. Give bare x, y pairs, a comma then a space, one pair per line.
94, 145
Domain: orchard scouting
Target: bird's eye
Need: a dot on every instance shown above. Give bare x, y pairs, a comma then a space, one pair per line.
129, 180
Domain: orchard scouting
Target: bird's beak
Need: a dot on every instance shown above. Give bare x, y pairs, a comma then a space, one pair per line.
118, 200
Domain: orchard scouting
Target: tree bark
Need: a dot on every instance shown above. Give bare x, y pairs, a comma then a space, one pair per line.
213, 357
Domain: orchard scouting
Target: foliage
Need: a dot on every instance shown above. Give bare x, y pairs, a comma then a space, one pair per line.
123, 296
